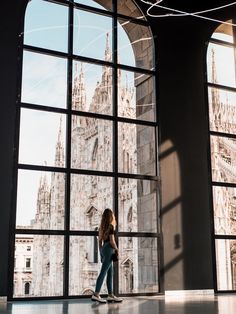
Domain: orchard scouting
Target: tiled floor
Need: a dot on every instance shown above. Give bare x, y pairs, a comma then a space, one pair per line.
221, 304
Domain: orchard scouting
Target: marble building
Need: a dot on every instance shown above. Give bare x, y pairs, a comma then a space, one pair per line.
23, 265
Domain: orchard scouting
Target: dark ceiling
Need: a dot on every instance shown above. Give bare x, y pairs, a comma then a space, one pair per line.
188, 5
222, 14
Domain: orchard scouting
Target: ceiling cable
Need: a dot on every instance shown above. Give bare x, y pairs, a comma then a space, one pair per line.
179, 13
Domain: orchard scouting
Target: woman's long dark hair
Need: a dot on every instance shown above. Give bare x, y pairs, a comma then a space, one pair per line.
108, 219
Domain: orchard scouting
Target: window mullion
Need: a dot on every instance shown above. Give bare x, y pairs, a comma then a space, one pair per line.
68, 151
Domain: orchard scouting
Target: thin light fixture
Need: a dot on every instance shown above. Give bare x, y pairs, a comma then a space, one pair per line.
178, 13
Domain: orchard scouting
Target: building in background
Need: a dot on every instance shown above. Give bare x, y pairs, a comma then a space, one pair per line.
24, 246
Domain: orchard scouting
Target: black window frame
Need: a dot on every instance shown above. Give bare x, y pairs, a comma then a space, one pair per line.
68, 170
211, 134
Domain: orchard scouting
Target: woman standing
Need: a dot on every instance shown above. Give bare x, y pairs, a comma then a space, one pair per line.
107, 248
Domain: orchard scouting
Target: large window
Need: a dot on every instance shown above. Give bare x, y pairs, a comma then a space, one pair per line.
87, 140
222, 123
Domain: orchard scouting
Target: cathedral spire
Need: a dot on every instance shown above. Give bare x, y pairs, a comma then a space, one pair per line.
213, 68
59, 157
126, 82
214, 91
79, 93
43, 203
81, 74
43, 183
108, 49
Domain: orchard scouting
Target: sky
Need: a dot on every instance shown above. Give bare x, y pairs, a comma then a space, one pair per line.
224, 62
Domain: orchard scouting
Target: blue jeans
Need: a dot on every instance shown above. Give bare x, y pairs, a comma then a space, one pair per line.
107, 268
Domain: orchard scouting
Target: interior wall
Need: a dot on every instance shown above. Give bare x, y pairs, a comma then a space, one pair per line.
10, 20
183, 123
184, 152
186, 218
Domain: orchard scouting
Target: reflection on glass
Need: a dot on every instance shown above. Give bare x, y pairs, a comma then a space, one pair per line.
100, 4
92, 88
84, 265
91, 144
226, 264
221, 65
138, 265
46, 25
137, 49
136, 145
90, 195
45, 84
39, 264
57, 307
130, 9
224, 32
222, 110
42, 138
224, 200
40, 200
136, 96
223, 159
137, 205
92, 35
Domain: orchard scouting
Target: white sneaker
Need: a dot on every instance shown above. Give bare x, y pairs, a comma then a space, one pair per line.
98, 299
113, 298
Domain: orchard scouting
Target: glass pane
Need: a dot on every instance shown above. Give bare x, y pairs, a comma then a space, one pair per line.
223, 159
91, 144
100, 4
221, 65
136, 145
90, 195
137, 205
42, 138
224, 32
136, 99
222, 110
92, 35
224, 200
138, 265
41, 267
135, 45
226, 264
92, 88
40, 200
84, 265
45, 84
130, 9
46, 25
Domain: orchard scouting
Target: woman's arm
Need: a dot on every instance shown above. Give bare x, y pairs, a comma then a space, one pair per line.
100, 242
113, 242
